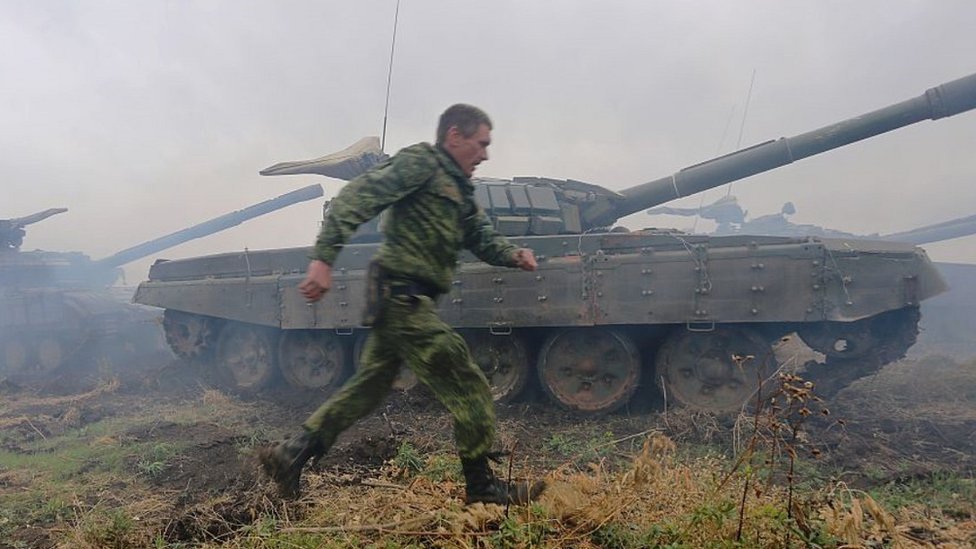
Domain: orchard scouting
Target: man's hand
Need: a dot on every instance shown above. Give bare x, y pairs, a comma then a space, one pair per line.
525, 259
317, 281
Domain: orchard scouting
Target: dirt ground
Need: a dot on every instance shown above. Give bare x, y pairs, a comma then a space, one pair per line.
914, 420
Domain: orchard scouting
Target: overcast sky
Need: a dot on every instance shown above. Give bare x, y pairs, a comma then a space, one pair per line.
145, 117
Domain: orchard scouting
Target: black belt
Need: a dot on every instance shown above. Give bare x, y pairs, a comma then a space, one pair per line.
400, 287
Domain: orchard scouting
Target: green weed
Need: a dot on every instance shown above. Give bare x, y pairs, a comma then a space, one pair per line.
513, 532
583, 448
952, 493
114, 529
408, 459
625, 536
155, 460
713, 514
442, 467
562, 444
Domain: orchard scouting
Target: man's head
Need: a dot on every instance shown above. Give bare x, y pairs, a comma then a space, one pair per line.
464, 132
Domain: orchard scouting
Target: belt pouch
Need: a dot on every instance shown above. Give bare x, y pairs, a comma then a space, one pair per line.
377, 291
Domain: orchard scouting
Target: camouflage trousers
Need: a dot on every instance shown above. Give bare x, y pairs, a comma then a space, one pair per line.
410, 333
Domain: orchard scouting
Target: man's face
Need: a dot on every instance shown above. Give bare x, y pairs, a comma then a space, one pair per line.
468, 152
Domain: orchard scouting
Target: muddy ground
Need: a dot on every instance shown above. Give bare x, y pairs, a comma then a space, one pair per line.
914, 420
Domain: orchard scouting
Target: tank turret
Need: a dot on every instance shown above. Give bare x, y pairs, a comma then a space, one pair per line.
725, 211
12, 231
731, 219
543, 206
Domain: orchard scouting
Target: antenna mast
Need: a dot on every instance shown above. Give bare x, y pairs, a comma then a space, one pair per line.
389, 76
742, 126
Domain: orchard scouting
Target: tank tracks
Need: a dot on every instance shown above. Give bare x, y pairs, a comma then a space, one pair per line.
891, 334
592, 371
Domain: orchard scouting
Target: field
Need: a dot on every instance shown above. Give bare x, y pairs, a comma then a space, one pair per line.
163, 460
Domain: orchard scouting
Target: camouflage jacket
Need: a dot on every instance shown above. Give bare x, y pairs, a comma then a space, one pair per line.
432, 216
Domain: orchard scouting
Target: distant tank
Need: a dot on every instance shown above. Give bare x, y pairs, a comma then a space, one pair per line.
731, 219
60, 309
608, 309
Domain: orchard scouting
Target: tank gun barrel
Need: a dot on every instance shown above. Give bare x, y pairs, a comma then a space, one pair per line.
19, 222
212, 226
941, 101
947, 230
12, 230
668, 210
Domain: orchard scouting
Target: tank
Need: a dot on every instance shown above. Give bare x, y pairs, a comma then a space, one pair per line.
609, 311
61, 311
731, 219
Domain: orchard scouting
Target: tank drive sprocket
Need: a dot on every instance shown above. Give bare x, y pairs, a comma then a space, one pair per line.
190, 336
877, 341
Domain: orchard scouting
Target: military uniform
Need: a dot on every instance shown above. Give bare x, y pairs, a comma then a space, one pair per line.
432, 215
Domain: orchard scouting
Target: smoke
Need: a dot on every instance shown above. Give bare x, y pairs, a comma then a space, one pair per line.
148, 117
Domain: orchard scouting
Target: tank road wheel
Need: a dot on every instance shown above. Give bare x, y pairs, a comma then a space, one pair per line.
34, 358
590, 370
16, 356
710, 370
188, 335
503, 360
50, 354
405, 380
246, 354
313, 359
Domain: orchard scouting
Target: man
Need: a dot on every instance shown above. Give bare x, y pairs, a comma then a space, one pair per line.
431, 215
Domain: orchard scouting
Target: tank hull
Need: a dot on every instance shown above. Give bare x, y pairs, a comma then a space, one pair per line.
47, 333
620, 279
641, 289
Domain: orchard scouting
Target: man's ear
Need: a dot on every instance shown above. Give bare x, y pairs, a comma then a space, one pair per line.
452, 135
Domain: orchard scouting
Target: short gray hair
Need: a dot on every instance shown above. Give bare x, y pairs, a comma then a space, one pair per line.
467, 118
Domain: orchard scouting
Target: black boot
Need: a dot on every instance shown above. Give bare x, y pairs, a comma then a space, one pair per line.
284, 462
484, 486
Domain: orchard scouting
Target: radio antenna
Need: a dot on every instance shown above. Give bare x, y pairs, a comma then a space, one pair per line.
745, 113
389, 76
738, 143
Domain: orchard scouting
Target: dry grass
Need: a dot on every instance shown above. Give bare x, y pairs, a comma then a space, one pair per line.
640, 490
655, 501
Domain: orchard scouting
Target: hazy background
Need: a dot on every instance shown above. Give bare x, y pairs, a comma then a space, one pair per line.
146, 117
